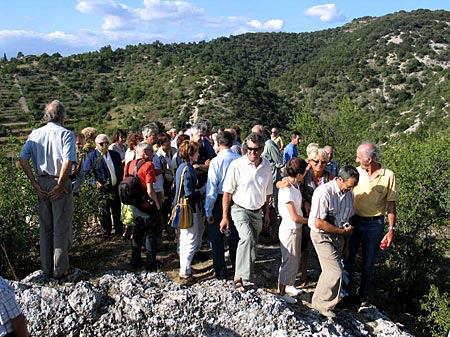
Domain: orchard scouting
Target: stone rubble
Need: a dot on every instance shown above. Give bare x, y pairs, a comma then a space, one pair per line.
120, 303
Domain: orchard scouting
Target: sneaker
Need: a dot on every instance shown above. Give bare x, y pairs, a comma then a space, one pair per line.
288, 299
293, 291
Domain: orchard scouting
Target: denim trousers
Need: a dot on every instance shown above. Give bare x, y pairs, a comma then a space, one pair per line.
367, 233
248, 224
216, 239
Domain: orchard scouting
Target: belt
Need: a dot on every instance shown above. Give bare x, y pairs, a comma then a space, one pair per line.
369, 218
251, 210
48, 176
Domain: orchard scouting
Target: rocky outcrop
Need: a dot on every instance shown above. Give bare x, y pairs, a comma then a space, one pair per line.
121, 303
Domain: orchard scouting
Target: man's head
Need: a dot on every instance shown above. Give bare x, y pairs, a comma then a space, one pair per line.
55, 112
258, 128
149, 133
225, 139
348, 178
144, 150
197, 132
255, 147
102, 142
329, 150
233, 133
274, 132
367, 154
296, 137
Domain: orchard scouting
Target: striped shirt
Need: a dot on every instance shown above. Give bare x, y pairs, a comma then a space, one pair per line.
327, 197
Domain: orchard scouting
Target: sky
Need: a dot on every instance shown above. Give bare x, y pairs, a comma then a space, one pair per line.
77, 26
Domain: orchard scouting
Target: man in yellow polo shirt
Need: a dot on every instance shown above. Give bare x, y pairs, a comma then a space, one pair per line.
375, 195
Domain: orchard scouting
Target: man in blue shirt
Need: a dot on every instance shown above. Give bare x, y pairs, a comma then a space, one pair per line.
213, 205
290, 151
52, 150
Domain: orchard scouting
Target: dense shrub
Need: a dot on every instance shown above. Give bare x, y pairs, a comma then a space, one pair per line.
436, 306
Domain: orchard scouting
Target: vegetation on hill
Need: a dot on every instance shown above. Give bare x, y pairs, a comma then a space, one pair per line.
384, 79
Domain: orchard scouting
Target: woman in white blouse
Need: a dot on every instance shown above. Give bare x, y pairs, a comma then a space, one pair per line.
290, 231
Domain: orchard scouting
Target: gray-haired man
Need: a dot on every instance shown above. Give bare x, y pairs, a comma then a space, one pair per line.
52, 150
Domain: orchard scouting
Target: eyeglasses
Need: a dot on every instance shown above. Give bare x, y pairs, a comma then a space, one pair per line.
103, 144
319, 161
254, 149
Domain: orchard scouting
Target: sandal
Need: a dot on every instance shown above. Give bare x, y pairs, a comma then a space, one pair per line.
187, 280
239, 285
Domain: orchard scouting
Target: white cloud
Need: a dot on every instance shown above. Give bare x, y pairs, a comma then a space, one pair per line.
163, 20
326, 13
271, 25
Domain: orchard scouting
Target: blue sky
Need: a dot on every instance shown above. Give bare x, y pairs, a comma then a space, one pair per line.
77, 26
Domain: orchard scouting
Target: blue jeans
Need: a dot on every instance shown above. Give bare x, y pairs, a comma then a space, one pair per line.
216, 240
367, 233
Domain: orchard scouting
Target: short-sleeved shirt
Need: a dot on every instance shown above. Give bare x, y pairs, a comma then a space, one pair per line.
371, 197
286, 195
249, 184
9, 309
278, 141
328, 197
48, 148
290, 151
146, 174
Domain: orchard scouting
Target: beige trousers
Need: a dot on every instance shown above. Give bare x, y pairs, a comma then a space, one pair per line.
329, 251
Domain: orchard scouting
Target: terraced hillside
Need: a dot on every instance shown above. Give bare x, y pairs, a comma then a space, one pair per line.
14, 112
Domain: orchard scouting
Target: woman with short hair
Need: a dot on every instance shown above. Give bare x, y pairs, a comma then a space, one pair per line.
190, 239
290, 231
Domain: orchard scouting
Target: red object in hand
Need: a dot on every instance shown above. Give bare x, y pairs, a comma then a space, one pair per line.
384, 244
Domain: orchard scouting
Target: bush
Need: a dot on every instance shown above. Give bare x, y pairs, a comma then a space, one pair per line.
19, 227
436, 305
421, 241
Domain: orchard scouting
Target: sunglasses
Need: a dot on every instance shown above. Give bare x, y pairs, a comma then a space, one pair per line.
254, 149
103, 143
319, 161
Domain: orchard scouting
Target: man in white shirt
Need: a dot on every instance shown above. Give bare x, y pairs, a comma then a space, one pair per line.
331, 209
248, 183
52, 151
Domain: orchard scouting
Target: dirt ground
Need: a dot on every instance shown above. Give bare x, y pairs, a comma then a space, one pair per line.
97, 256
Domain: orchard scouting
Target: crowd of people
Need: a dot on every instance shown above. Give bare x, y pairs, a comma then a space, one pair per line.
234, 187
